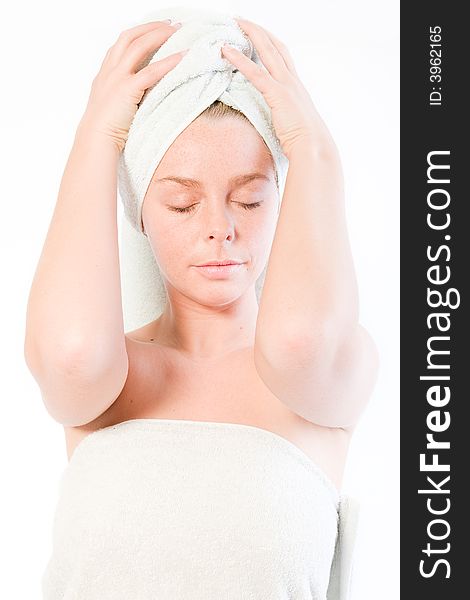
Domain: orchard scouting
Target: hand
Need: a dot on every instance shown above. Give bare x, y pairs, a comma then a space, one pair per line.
294, 116
119, 86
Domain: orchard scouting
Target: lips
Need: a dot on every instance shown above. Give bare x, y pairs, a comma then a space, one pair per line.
220, 263
220, 271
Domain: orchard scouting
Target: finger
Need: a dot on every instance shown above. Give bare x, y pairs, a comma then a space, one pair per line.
140, 51
267, 50
153, 72
258, 76
126, 37
283, 50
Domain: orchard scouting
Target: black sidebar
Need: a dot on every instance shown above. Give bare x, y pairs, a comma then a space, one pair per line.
434, 300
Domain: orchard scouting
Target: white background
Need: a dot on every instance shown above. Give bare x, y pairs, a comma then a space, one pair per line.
347, 54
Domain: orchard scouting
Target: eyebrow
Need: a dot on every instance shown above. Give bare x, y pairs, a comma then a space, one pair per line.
194, 183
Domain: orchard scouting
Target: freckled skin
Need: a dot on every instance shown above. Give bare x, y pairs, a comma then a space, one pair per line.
199, 364
212, 152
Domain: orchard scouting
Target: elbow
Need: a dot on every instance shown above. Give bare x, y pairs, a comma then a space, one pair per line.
312, 344
74, 398
74, 358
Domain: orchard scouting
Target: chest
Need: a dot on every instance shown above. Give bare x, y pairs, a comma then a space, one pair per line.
162, 384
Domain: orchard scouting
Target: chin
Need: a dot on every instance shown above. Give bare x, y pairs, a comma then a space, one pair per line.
218, 293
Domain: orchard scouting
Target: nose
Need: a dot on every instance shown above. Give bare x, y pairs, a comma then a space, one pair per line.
219, 224
220, 236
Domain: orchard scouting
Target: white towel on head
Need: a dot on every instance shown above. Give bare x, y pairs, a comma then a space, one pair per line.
202, 76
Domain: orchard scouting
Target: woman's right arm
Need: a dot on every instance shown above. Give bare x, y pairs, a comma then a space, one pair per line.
74, 344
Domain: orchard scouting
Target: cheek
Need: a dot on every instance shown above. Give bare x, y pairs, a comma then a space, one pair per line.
168, 247
259, 240
261, 229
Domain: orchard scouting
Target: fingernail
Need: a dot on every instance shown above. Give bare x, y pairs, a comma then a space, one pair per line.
177, 25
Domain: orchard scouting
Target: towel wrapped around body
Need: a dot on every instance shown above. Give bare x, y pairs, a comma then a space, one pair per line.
192, 510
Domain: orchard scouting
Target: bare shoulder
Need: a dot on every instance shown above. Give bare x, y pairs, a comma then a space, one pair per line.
163, 383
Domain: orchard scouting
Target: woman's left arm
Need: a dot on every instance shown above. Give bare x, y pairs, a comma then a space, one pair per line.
310, 349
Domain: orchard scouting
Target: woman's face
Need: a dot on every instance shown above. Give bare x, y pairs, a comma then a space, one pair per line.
209, 219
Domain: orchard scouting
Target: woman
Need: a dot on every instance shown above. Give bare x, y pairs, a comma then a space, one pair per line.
244, 377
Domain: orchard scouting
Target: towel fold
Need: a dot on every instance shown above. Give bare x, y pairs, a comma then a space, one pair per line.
342, 569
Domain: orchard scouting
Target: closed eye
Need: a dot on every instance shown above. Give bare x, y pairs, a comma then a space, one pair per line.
187, 209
